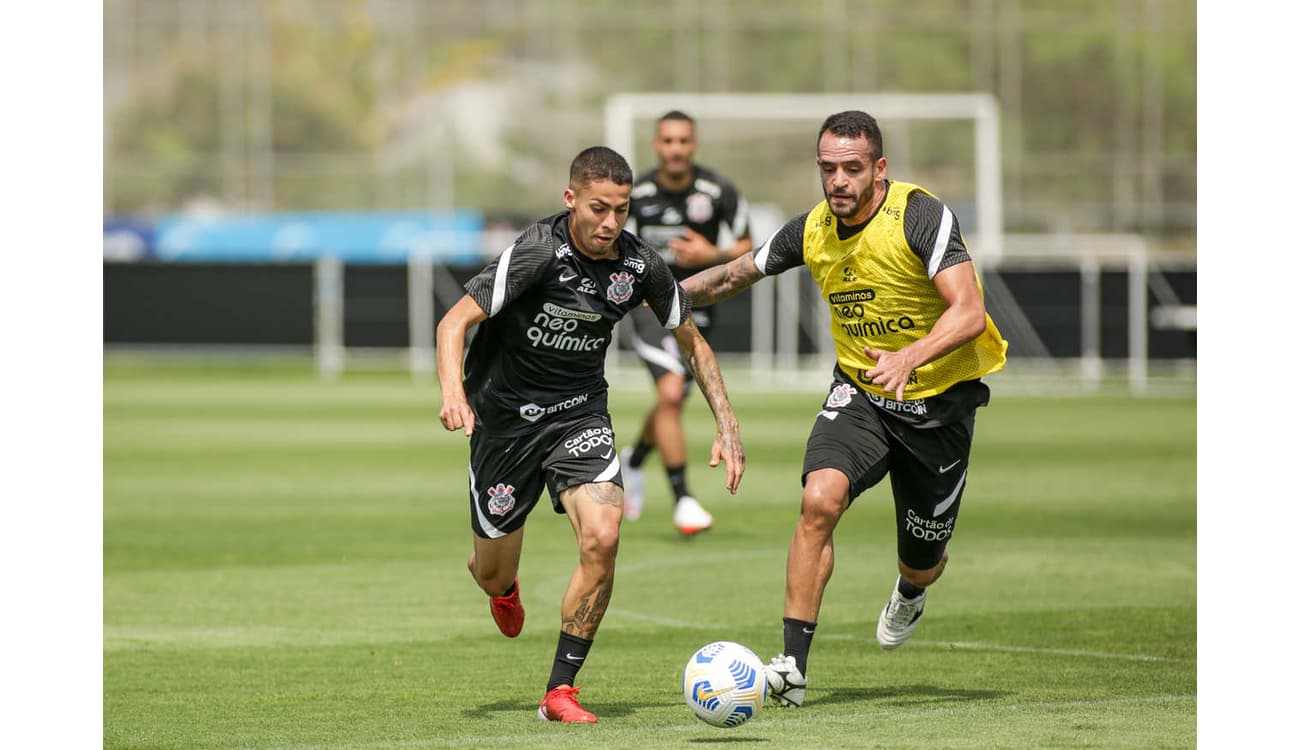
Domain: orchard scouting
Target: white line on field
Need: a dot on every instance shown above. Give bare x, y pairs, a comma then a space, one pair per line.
977, 646
658, 620
658, 563
993, 705
776, 727
557, 584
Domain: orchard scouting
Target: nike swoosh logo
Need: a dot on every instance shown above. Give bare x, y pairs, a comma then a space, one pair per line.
831, 415
571, 657
944, 469
700, 695
608, 453
570, 276
948, 501
809, 632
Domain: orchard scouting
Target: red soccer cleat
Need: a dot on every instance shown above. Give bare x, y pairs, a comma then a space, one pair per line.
561, 704
508, 612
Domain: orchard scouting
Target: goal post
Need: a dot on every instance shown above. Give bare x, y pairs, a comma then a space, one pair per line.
622, 111
776, 316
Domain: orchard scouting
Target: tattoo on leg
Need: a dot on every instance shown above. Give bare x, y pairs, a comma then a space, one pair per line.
591, 609
604, 493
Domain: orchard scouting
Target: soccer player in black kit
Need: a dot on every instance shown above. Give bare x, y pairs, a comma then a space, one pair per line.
695, 218
532, 398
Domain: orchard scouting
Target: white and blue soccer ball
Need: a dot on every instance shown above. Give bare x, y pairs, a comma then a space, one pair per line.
724, 684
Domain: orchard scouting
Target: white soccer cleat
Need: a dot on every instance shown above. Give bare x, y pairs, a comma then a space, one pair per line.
690, 517
785, 683
633, 486
898, 619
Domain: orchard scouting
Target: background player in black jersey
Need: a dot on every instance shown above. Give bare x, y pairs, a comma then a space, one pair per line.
912, 341
695, 218
533, 399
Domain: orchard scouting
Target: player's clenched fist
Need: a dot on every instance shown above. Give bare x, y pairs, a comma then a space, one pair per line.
455, 415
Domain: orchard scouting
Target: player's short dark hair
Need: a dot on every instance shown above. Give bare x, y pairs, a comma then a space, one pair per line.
599, 163
676, 114
852, 124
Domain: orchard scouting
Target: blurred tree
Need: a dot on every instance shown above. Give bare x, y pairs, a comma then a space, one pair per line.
372, 103
170, 139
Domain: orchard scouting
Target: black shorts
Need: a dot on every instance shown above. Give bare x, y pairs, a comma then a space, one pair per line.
927, 466
506, 473
657, 347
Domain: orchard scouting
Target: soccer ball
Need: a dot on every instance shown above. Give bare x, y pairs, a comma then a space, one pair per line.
724, 684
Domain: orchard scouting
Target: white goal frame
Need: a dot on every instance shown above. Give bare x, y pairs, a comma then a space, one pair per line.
622, 111
773, 355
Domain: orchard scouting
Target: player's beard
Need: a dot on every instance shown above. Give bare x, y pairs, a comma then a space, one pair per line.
856, 206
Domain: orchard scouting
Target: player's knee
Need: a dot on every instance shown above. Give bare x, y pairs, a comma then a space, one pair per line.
670, 392
669, 404
600, 544
494, 581
670, 399
823, 501
923, 576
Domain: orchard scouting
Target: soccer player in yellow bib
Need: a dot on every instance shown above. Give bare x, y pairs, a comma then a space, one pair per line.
912, 342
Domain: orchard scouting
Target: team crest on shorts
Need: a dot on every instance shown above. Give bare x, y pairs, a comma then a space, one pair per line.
503, 499
620, 290
840, 396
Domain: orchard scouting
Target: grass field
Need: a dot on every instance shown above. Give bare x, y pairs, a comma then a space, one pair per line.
284, 568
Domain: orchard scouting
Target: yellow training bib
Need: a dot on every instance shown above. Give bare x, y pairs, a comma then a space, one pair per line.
880, 295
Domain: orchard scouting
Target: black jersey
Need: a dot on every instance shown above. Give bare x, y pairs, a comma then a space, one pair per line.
710, 205
551, 313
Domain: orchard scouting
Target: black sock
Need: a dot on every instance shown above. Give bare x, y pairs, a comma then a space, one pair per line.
908, 589
570, 653
798, 641
511, 590
677, 478
639, 452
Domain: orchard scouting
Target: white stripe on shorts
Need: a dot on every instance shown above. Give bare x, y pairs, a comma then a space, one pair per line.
492, 531
609, 471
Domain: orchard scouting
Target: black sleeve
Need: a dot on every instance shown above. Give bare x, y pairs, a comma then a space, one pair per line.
784, 249
662, 292
933, 233
513, 272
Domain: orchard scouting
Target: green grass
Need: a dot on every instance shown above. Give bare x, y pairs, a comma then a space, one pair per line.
284, 568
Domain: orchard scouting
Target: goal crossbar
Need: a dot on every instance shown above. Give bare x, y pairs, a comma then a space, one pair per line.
622, 111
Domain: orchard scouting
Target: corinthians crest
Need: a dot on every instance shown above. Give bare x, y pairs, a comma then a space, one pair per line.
840, 396
620, 288
503, 499
699, 208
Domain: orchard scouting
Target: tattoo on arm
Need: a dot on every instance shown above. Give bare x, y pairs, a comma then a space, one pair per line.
720, 282
709, 378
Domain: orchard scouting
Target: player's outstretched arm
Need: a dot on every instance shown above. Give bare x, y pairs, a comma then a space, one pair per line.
720, 282
465, 314
699, 356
